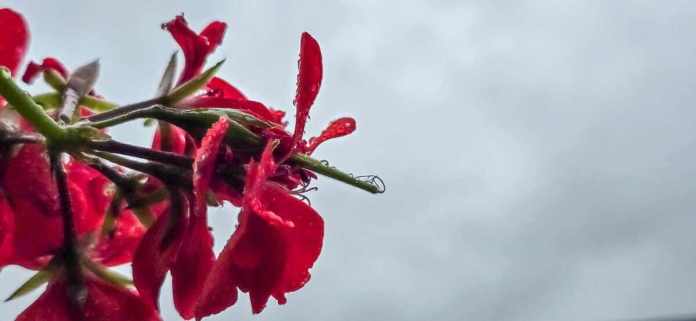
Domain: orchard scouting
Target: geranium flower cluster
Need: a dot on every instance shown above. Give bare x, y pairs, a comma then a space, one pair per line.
75, 202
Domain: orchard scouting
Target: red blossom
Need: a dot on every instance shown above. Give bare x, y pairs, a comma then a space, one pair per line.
14, 39
269, 254
196, 256
196, 47
278, 239
103, 302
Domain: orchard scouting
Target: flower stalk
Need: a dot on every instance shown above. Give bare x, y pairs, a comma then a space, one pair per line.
29, 109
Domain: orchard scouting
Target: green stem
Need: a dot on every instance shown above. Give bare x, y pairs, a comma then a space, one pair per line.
29, 109
372, 184
199, 120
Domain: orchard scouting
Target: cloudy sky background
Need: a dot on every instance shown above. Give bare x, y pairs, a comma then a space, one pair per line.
540, 156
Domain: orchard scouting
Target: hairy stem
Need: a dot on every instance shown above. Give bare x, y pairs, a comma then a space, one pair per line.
168, 174
71, 256
142, 152
29, 109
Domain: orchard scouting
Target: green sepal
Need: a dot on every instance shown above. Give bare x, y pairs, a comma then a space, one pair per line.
192, 86
37, 280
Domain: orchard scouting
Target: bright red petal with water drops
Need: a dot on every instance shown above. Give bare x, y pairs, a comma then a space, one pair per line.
196, 256
14, 39
157, 252
217, 87
278, 240
302, 243
337, 128
33, 69
196, 47
104, 302
308, 83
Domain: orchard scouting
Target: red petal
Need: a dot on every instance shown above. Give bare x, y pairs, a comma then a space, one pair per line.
204, 165
93, 186
6, 231
249, 106
196, 257
308, 82
157, 252
119, 247
30, 189
33, 69
303, 243
177, 142
14, 39
278, 239
196, 47
220, 88
337, 128
104, 301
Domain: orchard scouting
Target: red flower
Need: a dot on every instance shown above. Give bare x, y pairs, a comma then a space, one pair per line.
196, 47
103, 301
32, 201
14, 39
278, 239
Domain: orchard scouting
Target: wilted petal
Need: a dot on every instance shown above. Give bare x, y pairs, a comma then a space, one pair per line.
337, 128
308, 82
34, 70
104, 302
14, 39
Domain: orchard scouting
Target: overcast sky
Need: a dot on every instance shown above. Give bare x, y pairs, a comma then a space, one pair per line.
540, 156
